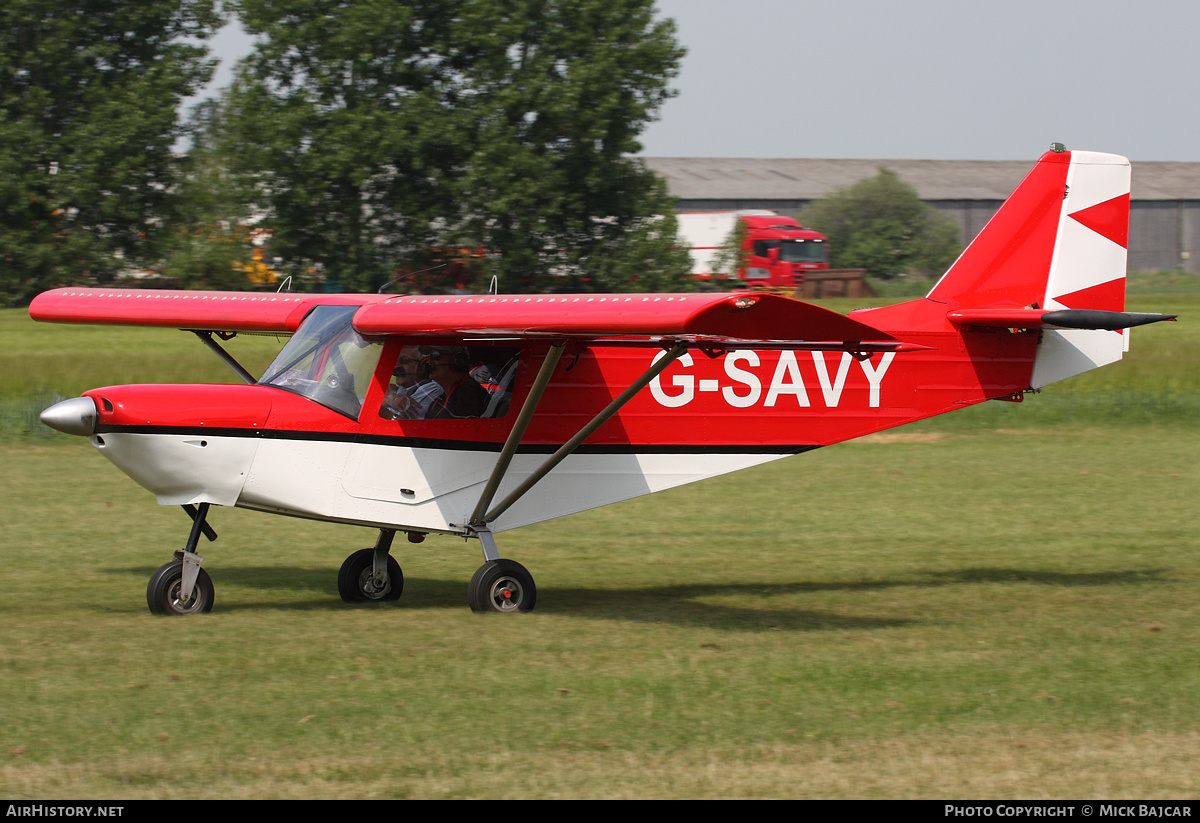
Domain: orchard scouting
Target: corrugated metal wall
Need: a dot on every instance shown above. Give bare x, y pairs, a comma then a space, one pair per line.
1163, 234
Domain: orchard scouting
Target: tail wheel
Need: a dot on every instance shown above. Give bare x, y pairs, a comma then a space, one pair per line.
357, 583
502, 586
164, 592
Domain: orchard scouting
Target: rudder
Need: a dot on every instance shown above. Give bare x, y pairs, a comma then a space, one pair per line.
1088, 270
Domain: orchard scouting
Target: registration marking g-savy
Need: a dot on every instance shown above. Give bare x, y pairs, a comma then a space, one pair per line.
744, 369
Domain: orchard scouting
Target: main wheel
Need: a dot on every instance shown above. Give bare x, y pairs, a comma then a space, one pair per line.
163, 594
502, 586
356, 579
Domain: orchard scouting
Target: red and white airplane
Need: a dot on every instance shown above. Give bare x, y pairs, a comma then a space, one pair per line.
589, 398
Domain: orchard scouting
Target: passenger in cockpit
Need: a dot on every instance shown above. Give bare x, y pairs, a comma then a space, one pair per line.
461, 396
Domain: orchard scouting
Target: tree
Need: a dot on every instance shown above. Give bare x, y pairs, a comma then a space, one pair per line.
375, 130
89, 95
563, 88
333, 124
205, 242
881, 224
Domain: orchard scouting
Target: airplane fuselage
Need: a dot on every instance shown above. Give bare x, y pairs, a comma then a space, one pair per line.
269, 448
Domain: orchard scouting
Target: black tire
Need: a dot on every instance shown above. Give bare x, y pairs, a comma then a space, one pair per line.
162, 593
356, 579
503, 586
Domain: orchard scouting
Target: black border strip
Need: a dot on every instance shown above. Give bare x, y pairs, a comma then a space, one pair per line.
452, 445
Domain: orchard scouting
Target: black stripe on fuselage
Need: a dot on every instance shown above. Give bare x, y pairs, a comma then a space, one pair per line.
452, 445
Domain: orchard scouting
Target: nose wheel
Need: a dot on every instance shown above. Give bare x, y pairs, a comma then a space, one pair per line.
181, 586
165, 593
502, 586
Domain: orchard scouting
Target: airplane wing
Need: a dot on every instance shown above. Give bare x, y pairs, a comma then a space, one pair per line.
206, 310
748, 320
761, 321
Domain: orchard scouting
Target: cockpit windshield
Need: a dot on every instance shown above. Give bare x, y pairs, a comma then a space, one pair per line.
327, 361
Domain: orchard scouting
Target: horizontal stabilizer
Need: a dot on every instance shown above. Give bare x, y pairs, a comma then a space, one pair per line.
1058, 319
1108, 320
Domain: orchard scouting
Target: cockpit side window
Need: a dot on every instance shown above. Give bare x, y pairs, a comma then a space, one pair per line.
450, 383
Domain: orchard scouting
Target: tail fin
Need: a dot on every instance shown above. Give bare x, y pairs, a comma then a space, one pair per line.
1059, 242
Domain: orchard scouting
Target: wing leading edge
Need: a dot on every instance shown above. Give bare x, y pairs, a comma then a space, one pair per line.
209, 310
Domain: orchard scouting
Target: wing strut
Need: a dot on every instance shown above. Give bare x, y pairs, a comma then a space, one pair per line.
207, 338
479, 523
518, 431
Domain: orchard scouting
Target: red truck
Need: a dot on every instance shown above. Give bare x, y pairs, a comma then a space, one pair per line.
778, 250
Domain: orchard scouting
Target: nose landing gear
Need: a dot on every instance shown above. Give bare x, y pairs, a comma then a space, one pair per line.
181, 586
166, 592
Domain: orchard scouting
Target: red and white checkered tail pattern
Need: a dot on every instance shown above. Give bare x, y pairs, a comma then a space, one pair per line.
1087, 269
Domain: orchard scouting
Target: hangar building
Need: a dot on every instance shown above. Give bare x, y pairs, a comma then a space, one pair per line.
1164, 223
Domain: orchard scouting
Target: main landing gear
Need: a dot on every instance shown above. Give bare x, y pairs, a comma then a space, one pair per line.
502, 586
498, 586
372, 574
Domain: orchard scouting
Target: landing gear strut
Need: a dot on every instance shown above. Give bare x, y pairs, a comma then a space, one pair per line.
181, 586
505, 585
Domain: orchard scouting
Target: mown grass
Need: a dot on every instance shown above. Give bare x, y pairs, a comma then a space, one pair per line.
832, 625
46, 362
980, 605
1166, 281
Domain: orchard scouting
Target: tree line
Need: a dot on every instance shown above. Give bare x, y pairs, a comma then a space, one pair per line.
444, 142
370, 138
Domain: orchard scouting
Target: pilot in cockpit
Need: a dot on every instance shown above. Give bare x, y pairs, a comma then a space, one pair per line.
409, 397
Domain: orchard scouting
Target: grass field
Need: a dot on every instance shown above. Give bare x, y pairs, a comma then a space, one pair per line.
1000, 603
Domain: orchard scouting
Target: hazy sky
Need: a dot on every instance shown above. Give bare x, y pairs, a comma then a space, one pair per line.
926, 79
